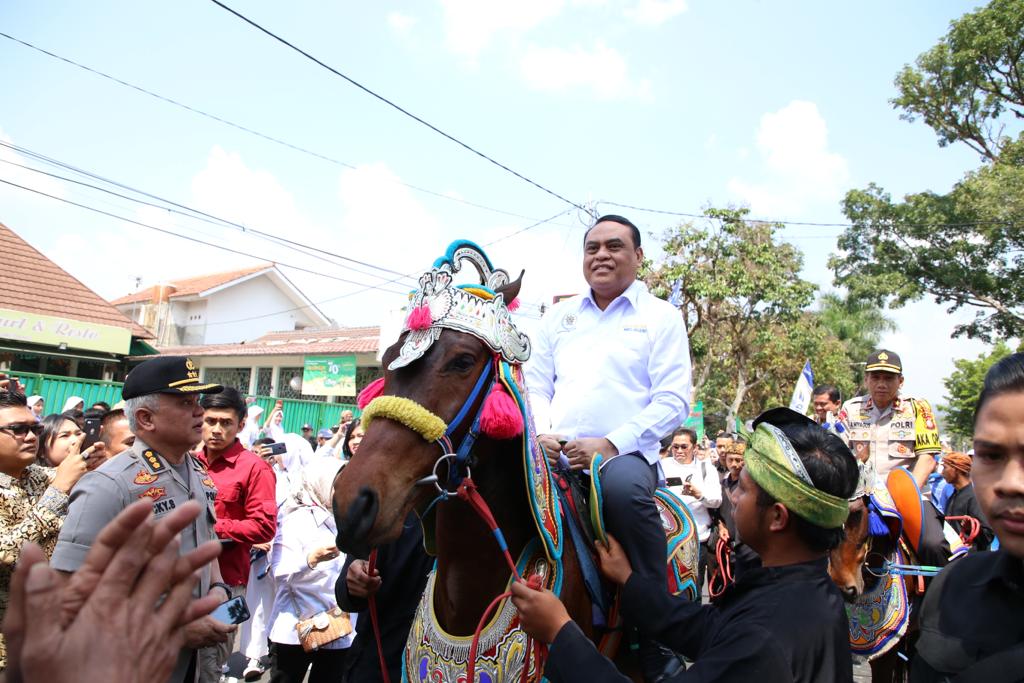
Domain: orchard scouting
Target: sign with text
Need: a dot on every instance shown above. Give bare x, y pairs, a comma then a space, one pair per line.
329, 376
49, 330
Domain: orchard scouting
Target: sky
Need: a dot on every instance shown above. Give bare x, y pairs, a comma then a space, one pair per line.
673, 105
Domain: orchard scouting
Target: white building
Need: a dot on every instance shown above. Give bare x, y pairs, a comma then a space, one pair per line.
222, 308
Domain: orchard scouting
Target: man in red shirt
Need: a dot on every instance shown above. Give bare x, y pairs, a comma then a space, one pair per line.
245, 503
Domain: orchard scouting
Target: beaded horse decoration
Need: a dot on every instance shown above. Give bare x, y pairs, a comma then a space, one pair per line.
480, 310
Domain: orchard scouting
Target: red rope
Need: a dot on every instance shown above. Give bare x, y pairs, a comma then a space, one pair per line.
969, 528
376, 622
723, 572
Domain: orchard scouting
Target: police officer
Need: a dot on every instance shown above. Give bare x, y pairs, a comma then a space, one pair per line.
162, 406
892, 430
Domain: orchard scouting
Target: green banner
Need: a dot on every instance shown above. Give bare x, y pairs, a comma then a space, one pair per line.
63, 332
696, 420
329, 376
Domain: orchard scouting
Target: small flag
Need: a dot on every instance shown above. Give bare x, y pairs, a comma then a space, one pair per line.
801, 400
676, 298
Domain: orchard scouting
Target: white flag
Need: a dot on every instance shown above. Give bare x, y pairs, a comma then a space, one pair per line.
801, 400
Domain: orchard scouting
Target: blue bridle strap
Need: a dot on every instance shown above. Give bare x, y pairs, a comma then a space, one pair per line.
454, 424
484, 383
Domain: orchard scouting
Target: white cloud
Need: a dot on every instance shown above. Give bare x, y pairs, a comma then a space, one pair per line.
798, 168
400, 23
470, 25
655, 12
601, 69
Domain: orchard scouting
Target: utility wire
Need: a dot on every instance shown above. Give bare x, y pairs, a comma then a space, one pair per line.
391, 104
188, 211
196, 240
251, 131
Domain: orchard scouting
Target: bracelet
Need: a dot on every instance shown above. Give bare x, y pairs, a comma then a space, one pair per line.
219, 584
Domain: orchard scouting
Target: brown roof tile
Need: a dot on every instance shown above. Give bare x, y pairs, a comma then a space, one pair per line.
193, 285
35, 284
299, 342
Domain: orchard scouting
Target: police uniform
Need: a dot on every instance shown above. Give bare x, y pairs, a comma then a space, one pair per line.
142, 473
895, 436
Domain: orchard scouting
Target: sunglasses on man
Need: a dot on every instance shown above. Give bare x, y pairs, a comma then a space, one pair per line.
21, 429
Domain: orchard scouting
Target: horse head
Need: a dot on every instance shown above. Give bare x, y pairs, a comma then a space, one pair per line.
439, 380
846, 562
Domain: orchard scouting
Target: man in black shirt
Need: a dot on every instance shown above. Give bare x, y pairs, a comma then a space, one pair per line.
956, 469
782, 622
743, 558
972, 619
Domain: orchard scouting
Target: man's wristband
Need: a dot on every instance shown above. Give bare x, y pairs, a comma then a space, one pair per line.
219, 584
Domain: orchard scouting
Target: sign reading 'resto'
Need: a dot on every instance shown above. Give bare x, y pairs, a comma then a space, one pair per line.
52, 331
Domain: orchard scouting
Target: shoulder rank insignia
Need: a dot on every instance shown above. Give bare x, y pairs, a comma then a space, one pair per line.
207, 482
154, 493
144, 477
151, 460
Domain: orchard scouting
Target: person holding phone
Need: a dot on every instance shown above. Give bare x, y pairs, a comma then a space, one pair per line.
33, 499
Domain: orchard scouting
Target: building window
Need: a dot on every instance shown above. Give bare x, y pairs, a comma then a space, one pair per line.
285, 379
237, 378
264, 381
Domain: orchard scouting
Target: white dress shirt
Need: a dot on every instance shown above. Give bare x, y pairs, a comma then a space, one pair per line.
710, 489
622, 373
303, 592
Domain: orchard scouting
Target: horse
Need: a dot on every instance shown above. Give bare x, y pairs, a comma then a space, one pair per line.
443, 367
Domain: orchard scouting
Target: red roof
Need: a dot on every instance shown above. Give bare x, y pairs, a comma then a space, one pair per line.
34, 284
298, 343
193, 285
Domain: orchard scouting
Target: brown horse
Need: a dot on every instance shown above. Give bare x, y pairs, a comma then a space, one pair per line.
376, 490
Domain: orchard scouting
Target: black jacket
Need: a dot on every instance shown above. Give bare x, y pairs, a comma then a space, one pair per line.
775, 624
404, 567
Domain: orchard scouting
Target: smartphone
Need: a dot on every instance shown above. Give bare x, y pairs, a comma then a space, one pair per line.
673, 481
234, 611
13, 385
92, 431
277, 448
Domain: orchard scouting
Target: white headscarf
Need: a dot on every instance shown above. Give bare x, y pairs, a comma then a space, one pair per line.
32, 401
72, 402
252, 426
314, 490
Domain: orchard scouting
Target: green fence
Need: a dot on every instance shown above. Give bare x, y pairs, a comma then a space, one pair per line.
55, 390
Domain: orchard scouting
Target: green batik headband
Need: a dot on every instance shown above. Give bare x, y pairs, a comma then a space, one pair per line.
772, 462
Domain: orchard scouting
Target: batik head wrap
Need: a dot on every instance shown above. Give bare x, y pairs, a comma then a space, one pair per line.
958, 461
775, 466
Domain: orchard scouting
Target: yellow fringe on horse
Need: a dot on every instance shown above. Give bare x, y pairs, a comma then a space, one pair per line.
408, 412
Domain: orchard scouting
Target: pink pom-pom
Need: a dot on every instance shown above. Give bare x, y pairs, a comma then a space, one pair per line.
513, 305
419, 318
370, 392
500, 417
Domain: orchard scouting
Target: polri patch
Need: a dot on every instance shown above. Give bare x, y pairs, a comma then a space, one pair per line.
154, 493
144, 477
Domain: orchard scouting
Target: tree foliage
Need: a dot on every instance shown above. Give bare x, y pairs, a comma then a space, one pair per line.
745, 304
858, 324
963, 388
965, 247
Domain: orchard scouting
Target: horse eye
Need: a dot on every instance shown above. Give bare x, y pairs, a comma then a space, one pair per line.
461, 363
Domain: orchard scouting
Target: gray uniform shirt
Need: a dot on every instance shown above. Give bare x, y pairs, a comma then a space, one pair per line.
140, 472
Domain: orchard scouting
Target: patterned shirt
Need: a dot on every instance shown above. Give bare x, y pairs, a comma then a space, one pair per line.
30, 510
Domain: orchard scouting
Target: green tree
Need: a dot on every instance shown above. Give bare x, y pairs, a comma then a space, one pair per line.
858, 324
964, 248
744, 304
963, 388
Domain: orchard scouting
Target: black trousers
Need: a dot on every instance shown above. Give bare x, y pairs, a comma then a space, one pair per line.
290, 662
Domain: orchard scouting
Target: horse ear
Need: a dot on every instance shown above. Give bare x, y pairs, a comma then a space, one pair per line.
511, 290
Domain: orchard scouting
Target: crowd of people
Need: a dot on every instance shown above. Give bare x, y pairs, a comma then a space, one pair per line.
186, 498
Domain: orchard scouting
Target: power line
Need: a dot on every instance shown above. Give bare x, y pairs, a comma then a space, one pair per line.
810, 223
251, 131
188, 211
391, 104
197, 241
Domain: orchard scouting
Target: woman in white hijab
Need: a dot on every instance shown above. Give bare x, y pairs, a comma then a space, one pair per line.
305, 565
73, 403
37, 404
251, 431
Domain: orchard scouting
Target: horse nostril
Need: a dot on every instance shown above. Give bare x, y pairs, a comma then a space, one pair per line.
849, 593
358, 520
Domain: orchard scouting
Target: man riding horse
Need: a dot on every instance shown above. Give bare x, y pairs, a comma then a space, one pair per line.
610, 374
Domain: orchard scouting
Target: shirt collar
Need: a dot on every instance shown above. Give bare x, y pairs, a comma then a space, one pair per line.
1004, 568
230, 455
632, 295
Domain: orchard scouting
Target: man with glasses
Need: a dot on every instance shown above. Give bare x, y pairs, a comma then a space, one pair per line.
33, 499
696, 482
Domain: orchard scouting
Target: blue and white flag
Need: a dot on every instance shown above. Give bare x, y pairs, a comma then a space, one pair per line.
801, 400
676, 298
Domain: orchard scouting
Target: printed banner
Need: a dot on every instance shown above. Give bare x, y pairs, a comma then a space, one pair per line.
696, 420
329, 376
801, 400
71, 334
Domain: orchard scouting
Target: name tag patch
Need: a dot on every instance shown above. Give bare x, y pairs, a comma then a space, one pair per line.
163, 506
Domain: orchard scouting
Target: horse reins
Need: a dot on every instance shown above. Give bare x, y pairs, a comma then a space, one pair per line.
467, 491
723, 571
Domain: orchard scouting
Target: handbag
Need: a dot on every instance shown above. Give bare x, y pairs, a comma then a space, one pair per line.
322, 628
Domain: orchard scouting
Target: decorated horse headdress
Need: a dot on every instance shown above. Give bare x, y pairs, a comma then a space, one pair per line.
478, 309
